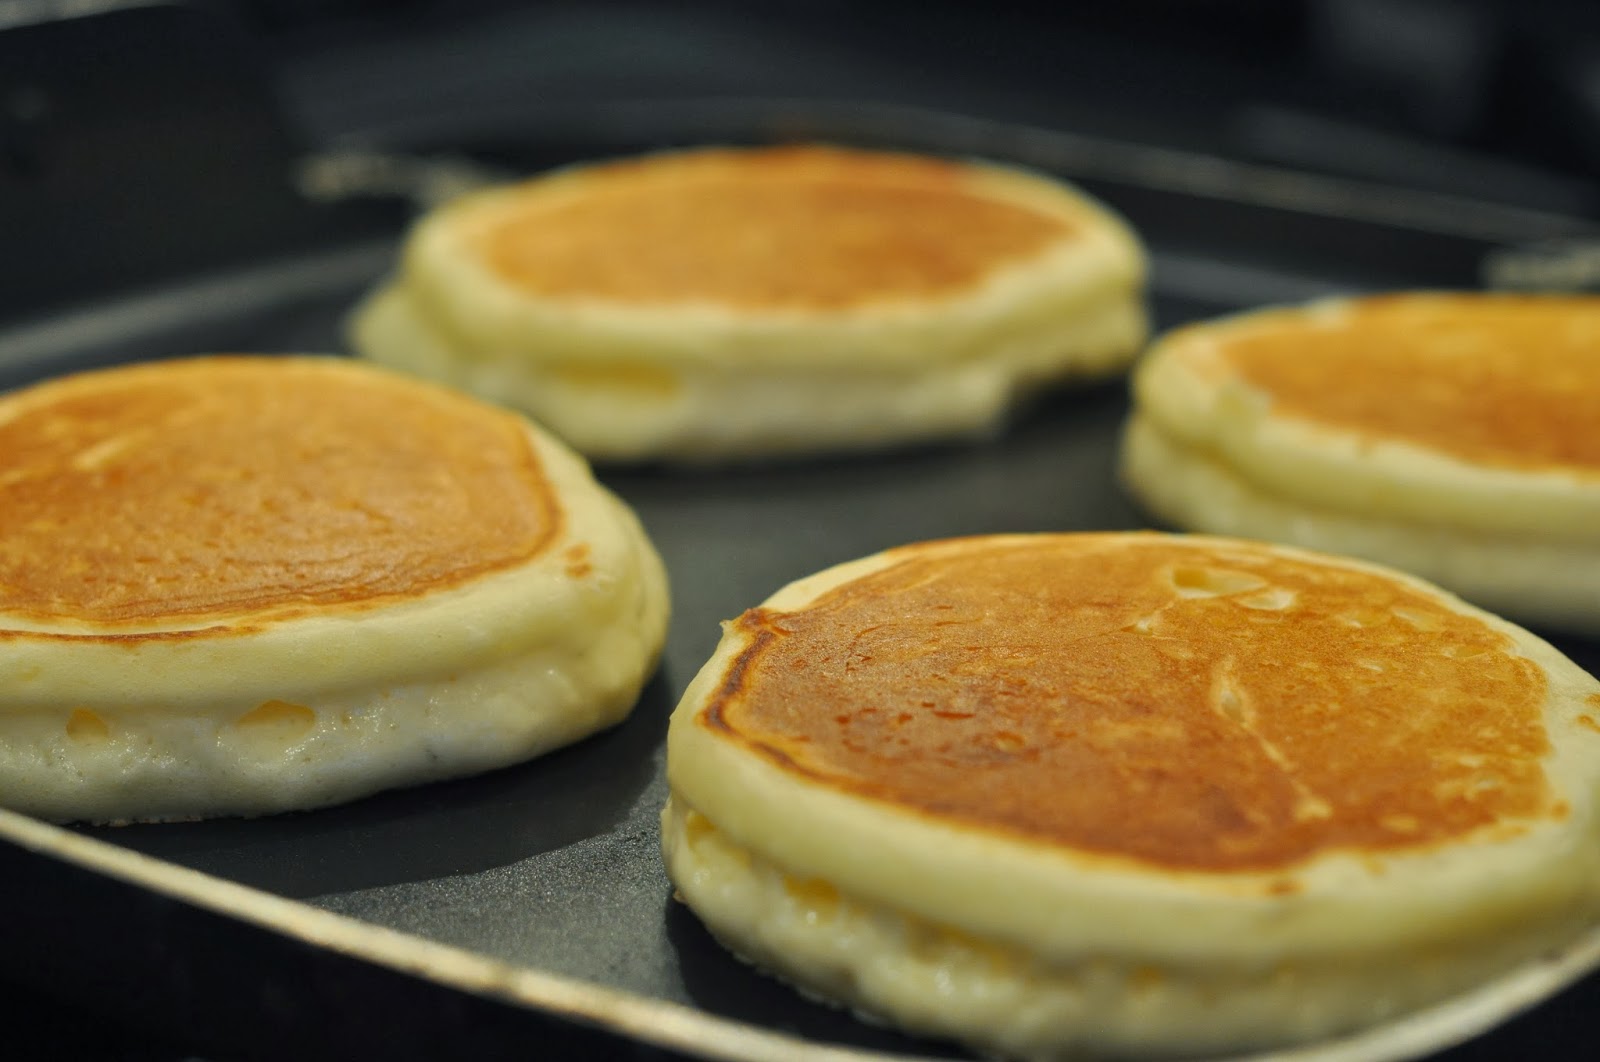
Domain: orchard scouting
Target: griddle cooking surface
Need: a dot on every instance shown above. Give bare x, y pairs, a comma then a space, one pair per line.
554, 864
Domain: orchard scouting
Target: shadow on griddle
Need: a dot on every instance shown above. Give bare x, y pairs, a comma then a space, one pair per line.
430, 831
1584, 652
722, 984
927, 489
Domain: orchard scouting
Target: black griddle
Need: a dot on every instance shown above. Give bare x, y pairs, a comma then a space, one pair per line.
552, 868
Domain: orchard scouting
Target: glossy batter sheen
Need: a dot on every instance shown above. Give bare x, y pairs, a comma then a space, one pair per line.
212, 488
1197, 709
1503, 380
793, 228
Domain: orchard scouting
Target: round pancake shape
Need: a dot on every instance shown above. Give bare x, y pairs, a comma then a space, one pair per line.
1132, 792
237, 585
1447, 434
728, 303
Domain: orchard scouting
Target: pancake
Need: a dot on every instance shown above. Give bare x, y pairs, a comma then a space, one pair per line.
1131, 792
240, 585
1452, 435
723, 304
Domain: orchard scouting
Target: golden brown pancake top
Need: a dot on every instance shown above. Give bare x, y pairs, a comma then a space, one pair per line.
1508, 381
195, 490
792, 228
1209, 709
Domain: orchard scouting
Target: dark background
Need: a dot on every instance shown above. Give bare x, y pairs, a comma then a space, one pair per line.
1491, 98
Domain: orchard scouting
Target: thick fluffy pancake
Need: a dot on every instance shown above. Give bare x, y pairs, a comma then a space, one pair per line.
1451, 435
1134, 792
238, 585
725, 303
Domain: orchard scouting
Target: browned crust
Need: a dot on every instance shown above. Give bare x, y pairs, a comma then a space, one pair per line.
1146, 701
220, 492
1502, 380
797, 228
